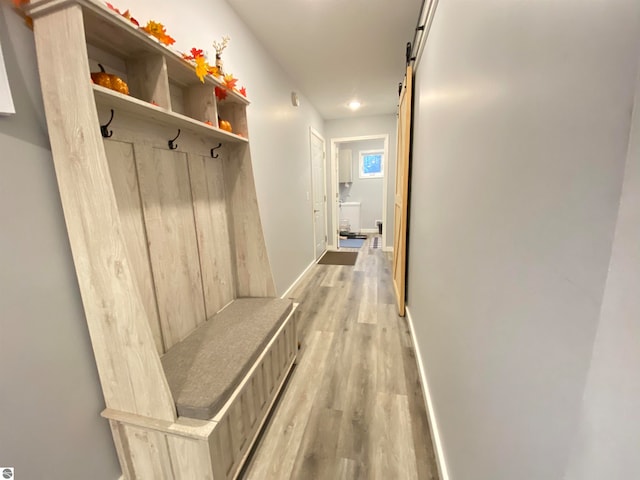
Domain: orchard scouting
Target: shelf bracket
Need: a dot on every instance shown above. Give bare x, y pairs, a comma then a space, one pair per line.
173, 146
213, 150
104, 129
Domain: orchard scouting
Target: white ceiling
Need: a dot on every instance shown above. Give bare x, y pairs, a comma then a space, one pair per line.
337, 50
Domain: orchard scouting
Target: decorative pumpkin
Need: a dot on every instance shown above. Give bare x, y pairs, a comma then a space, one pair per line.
101, 78
109, 80
226, 126
119, 85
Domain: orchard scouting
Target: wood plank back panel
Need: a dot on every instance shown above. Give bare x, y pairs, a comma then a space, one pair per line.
253, 270
124, 176
212, 226
173, 247
200, 103
130, 371
148, 79
235, 114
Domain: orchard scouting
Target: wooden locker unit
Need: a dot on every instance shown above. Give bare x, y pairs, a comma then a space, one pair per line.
162, 239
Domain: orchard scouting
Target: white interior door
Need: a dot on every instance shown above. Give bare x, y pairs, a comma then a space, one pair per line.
319, 196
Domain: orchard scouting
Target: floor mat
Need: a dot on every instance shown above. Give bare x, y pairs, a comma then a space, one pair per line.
351, 242
352, 235
338, 258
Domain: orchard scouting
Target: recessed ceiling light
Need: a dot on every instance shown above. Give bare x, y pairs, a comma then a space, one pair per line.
354, 105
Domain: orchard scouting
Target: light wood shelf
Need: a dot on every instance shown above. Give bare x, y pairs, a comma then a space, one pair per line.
149, 112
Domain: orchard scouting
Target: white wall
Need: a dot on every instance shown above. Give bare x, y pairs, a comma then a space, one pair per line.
279, 132
359, 127
521, 129
46, 363
50, 400
606, 444
367, 191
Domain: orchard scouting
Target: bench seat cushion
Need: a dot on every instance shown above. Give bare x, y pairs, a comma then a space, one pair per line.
204, 369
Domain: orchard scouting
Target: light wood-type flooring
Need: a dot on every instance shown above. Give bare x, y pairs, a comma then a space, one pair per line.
353, 406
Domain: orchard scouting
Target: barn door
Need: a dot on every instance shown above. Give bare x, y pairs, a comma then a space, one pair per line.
402, 192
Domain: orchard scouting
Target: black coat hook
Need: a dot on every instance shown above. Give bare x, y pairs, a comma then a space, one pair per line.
213, 154
104, 128
173, 146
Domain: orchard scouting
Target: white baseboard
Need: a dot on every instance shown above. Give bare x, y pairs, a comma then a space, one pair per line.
433, 424
297, 280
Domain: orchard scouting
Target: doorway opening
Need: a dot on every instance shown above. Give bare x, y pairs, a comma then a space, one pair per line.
359, 175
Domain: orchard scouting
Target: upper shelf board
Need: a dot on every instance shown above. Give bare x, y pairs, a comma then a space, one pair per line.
118, 101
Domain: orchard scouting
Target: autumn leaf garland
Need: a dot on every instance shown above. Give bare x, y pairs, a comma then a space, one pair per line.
221, 93
201, 63
157, 30
203, 68
229, 85
196, 55
152, 28
126, 14
230, 82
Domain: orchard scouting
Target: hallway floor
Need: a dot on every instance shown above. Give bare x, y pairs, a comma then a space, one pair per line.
353, 407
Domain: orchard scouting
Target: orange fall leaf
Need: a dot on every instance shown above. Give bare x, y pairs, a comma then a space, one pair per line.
157, 30
230, 82
193, 54
111, 7
128, 16
221, 93
202, 68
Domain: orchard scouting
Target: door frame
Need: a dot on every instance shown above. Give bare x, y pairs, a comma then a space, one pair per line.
335, 187
316, 133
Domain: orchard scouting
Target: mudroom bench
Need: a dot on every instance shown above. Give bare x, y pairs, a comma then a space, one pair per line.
190, 342
224, 377
206, 367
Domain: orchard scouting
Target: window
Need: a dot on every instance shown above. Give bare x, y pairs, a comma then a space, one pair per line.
371, 164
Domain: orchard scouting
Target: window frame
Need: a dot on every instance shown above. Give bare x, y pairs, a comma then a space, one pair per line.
362, 155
